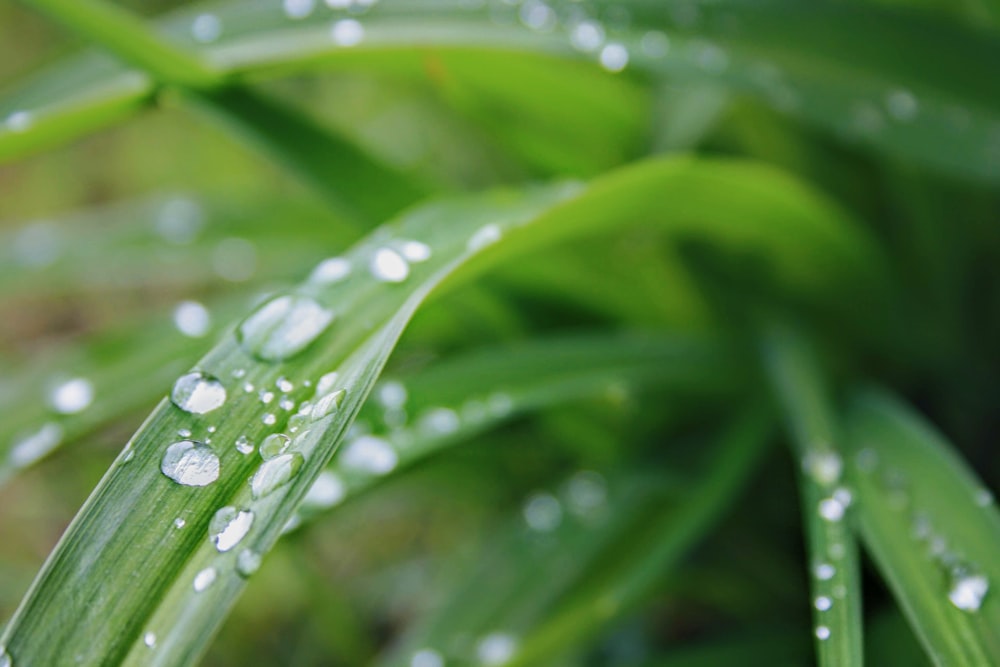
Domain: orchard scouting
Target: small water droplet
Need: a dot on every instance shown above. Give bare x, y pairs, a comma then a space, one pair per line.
243, 445
249, 388
426, 657
347, 32
128, 453
72, 396
275, 473
190, 463
149, 639
274, 445
184, 433
391, 394
29, 448
192, 319
283, 327
286, 403
825, 571
228, 527
823, 603
284, 385
204, 579
830, 509
822, 632
326, 491
389, 266
247, 562
328, 404
266, 396
206, 28
825, 467
179, 523
298, 9
484, 236
415, 251
331, 271
587, 36
614, 57
439, 422
369, 454
968, 589
198, 393
496, 648
543, 512
269, 419
19, 121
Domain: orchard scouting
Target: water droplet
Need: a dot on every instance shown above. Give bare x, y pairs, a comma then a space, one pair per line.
326, 491
586, 493
388, 266
284, 384
967, 589
269, 419
825, 571
274, 445
266, 396
822, 632
275, 473
901, 104
326, 383
179, 220
192, 319
149, 639
823, 603
830, 509
825, 467
426, 657
19, 121
331, 270
5, 659
283, 327
614, 57
286, 403
243, 445
537, 15
72, 396
198, 393
347, 32
34, 446
206, 28
484, 236
247, 562
369, 454
415, 251
204, 579
328, 404
179, 523
392, 394
543, 512
587, 36
228, 527
190, 463
984, 498
496, 648
439, 422
248, 387
298, 9
654, 44
128, 453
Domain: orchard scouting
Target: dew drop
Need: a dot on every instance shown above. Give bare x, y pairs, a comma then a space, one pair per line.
275, 473
823, 603
326, 383
149, 639
243, 445
439, 422
389, 266
228, 527
298, 9
614, 57
206, 28
830, 509
415, 251
331, 270
266, 396
347, 32
825, 571
587, 36
537, 15
284, 384
247, 562
269, 419
326, 491
484, 236
204, 579
274, 445
198, 393
426, 657
72, 396
824, 467
543, 512
822, 632
190, 463
179, 523
496, 648
34, 446
984, 498
369, 454
192, 319
968, 590
327, 404
283, 327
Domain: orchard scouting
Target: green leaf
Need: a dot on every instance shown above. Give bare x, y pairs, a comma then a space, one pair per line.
932, 528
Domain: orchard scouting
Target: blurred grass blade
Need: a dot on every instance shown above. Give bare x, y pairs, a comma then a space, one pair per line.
150, 572
931, 527
835, 579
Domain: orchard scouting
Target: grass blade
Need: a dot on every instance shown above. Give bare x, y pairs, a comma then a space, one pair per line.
931, 527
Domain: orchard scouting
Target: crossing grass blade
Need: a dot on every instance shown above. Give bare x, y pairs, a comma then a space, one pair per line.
931, 527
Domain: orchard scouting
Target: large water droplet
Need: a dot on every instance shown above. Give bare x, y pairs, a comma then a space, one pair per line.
204, 579
229, 526
496, 648
190, 463
327, 404
274, 446
388, 266
34, 446
72, 396
369, 454
247, 562
243, 445
198, 393
283, 327
275, 473
968, 589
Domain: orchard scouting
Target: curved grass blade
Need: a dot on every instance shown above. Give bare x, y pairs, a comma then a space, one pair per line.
833, 554
137, 555
833, 64
931, 527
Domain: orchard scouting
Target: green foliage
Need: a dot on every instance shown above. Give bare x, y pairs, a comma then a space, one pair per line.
484, 316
